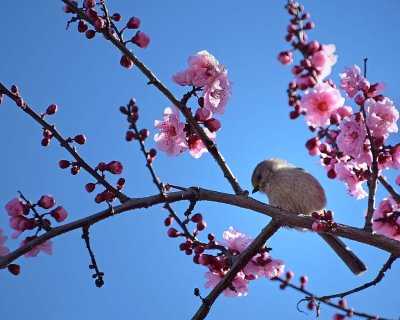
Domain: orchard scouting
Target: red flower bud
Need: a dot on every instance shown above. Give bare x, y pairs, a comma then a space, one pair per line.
59, 214
133, 23
15, 269
115, 167
126, 62
80, 139
173, 233
46, 202
90, 187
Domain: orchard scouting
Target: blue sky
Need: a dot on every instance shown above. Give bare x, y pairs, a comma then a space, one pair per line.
146, 276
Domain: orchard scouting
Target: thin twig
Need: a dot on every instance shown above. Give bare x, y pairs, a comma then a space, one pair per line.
82, 163
210, 145
378, 278
310, 296
98, 275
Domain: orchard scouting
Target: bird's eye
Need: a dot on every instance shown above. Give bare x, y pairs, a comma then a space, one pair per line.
259, 177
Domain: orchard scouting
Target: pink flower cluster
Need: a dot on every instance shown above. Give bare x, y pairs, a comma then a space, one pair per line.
20, 220
207, 74
261, 265
385, 219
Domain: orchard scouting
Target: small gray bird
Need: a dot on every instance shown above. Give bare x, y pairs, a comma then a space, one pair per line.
296, 190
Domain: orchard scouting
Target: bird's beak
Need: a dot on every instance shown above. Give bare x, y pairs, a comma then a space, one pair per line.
256, 189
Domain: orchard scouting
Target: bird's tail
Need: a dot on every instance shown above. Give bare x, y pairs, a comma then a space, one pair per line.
345, 253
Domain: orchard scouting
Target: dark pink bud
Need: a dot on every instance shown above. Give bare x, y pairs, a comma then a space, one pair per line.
303, 280
168, 221
173, 233
291, 28
152, 153
59, 214
14, 88
90, 34
100, 197
75, 170
285, 57
364, 85
289, 275
63, 164
90, 187
133, 23
82, 26
126, 62
14, 269
331, 174
115, 167
329, 215
305, 16
311, 143
359, 99
120, 183
80, 139
45, 142
213, 124
343, 303
201, 225
141, 39
197, 218
199, 249
130, 135
99, 23
311, 305
89, 3
144, 133
313, 46
46, 202
309, 25
116, 17
211, 237
294, 114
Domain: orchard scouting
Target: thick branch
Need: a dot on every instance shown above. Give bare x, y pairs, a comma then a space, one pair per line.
122, 197
285, 218
210, 145
239, 264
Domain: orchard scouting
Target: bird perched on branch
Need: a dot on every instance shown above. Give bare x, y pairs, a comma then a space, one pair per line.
295, 190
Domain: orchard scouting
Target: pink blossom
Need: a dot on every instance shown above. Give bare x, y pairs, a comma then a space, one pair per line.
203, 70
323, 60
239, 283
46, 202
320, 103
350, 80
59, 213
196, 145
395, 154
171, 138
46, 247
345, 173
20, 224
381, 117
114, 167
217, 95
344, 111
236, 240
141, 39
352, 136
3, 249
263, 265
14, 207
385, 220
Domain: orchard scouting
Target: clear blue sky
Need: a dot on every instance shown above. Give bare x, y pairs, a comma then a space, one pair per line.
146, 276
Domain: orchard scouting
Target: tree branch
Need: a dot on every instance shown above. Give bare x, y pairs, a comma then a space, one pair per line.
122, 197
210, 145
285, 218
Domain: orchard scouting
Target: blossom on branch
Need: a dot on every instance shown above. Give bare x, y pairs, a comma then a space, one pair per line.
320, 103
323, 60
381, 117
385, 219
217, 95
46, 247
171, 138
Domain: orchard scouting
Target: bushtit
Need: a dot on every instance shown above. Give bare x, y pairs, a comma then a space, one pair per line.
296, 190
